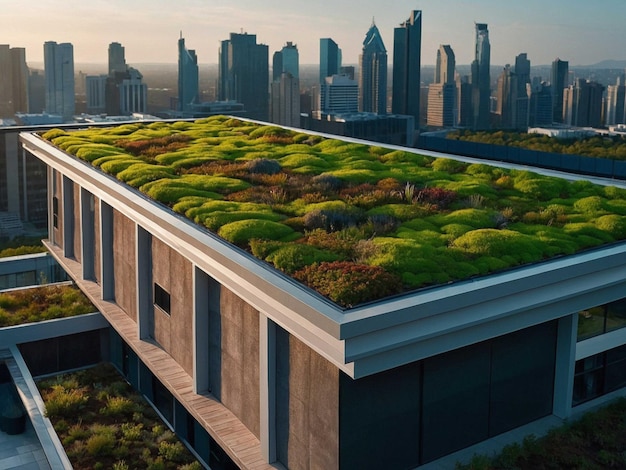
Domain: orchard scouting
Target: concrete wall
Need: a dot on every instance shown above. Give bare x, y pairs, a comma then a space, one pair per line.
96, 252
77, 234
58, 193
307, 402
124, 263
240, 359
174, 332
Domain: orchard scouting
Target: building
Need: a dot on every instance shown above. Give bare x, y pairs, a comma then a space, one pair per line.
59, 72
540, 104
330, 59
559, 81
464, 101
287, 60
117, 58
14, 78
373, 73
249, 367
442, 93
407, 53
96, 86
522, 105
582, 104
481, 78
188, 88
616, 103
244, 74
133, 93
339, 95
285, 88
36, 92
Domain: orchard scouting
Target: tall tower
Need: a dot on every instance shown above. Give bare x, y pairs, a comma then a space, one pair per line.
117, 59
559, 82
446, 63
330, 58
442, 94
14, 79
481, 80
188, 88
59, 70
373, 73
407, 56
285, 92
286, 60
244, 74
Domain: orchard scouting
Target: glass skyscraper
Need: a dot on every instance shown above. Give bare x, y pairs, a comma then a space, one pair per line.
330, 59
373, 74
59, 70
407, 45
188, 89
481, 80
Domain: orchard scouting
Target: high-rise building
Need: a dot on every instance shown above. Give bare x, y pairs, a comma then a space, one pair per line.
464, 101
540, 105
616, 103
330, 58
506, 98
286, 60
339, 95
133, 93
559, 81
59, 70
117, 58
188, 85
442, 94
96, 86
407, 45
36, 92
582, 104
14, 79
244, 74
373, 73
445, 65
522, 73
285, 92
481, 80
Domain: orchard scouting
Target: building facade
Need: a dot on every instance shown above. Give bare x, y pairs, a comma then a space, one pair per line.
373, 73
330, 59
616, 103
481, 78
188, 88
442, 93
582, 104
14, 78
244, 74
59, 73
559, 81
339, 94
407, 57
95, 87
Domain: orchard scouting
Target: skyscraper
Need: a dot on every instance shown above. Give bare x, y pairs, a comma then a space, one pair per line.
330, 58
14, 79
559, 81
286, 60
244, 74
339, 95
407, 45
582, 104
481, 80
616, 103
442, 99
188, 88
373, 73
117, 59
445, 65
285, 92
95, 89
59, 70
133, 93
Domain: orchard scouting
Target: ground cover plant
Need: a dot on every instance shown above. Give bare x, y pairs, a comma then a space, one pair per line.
104, 424
21, 246
355, 222
596, 441
42, 303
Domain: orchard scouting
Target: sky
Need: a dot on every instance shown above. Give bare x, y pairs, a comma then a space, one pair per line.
580, 31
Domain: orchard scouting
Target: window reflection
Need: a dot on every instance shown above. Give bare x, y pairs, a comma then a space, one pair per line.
601, 319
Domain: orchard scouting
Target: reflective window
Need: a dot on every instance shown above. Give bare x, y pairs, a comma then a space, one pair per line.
601, 319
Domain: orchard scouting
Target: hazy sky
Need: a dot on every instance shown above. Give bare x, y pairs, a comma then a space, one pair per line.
581, 31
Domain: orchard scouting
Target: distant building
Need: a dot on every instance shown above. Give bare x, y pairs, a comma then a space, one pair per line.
14, 79
244, 74
616, 103
36, 91
522, 74
285, 87
407, 45
582, 104
373, 73
117, 58
540, 104
287, 60
96, 93
133, 93
481, 79
442, 94
465, 117
339, 95
330, 59
347, 70
559, 81
188, 81
59, 70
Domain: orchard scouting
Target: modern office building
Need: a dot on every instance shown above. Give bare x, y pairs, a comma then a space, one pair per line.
407, 53
464, 101
188, 85
373, 73
481, 78
287, 60
442, 93
133, 93
249, 367
522, 74
59, 72
582, 104
540, 104
339, 95
117, 59
36, 92
559, 81
285, 87
330, 59
244, 74
14, 79
95, 87
616, 103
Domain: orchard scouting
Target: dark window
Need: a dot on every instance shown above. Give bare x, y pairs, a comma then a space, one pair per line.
600, 374
55, 212
601, 319
161, 298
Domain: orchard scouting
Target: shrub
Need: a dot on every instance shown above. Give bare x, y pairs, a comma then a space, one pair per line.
498, 243
118, 406
264, 166
348, 283
241, 232
292, 257
101, 444
61, 402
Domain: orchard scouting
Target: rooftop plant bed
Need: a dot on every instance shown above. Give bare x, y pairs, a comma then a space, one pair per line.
21, 246
613, 147
42, 303
355, 222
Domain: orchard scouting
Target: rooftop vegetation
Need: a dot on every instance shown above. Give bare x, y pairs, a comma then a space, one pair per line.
355, 222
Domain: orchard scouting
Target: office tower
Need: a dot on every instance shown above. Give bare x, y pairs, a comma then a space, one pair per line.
14, 79
59, 70
36, 92
133, 93
339, 95
373, 73
117, 60
244, 74
285, 88
506, 98
95, 86
464, 101
347, 70
407, 44
582, 104
540, 103
481, 81
330, 58
188, 88
522, 74
616, 103
442, 94
559, 81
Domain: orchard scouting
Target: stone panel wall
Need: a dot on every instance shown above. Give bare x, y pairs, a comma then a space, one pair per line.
124, 264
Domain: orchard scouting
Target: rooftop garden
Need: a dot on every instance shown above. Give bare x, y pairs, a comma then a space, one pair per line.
354, 222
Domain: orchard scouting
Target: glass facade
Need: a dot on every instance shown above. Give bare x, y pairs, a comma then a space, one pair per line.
599, 374
601, 319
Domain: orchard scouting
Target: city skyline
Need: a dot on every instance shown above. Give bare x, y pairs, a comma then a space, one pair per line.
542, 30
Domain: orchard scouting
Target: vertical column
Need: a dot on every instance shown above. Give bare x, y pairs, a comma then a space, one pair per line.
12, 168
565, 364
51, 190
87, 232
200, 331
143, 273
267, 376
68, 217
106, 251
